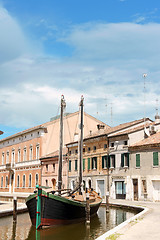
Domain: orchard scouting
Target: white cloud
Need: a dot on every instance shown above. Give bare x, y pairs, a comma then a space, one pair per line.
12, 40
108, 62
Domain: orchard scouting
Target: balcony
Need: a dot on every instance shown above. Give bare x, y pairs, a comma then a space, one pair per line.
30, 163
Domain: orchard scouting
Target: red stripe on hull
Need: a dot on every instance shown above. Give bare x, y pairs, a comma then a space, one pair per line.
51, 222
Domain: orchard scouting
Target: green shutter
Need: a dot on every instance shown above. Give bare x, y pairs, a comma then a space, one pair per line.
108, 162
137, 160
89, 164
155, 159
69, 165
128, 159
83, 164
122, 160
103, 159
75, 165
96, 162
114, 161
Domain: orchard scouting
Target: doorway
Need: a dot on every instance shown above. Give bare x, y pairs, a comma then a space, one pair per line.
100, 188
135, 189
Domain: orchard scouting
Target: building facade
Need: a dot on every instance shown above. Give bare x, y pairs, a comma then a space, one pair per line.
20, 154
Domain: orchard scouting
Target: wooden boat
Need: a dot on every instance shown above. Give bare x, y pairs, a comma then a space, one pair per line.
63, 206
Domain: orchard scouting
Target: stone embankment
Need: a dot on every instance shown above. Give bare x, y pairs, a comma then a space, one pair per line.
145, 225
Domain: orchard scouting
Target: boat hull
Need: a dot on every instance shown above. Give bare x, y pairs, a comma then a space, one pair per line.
57, 210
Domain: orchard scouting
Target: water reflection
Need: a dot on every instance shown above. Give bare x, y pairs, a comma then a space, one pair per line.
79, 231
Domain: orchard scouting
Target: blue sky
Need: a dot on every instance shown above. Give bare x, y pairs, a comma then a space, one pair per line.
96, 48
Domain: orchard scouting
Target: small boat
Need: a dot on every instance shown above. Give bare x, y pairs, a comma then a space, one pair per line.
63, 206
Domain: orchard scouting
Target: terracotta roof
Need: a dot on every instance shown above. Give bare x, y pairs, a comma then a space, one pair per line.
131, 130
151, 140
120, 127
24, 132
54, 154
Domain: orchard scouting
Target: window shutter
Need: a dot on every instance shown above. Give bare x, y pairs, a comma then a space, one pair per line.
75, 165
83, 164
96, 162
114, 161
108, 162
122, 160
155, 159
69, 165
88, 163
128, 159
137, 160
103, 157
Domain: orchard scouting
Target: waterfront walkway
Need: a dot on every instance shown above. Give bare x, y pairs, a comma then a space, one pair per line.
6, 208
145, 226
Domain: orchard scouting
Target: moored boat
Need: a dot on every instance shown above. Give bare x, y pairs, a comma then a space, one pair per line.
63, 206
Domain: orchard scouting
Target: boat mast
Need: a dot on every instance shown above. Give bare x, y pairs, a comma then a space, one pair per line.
81, 142
63, 105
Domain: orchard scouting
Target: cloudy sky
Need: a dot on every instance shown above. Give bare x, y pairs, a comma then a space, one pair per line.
96, 48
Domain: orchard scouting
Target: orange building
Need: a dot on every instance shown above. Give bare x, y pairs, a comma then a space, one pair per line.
25, 155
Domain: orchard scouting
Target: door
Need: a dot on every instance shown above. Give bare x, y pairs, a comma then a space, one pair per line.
100, 185
135, 189
120, 190
156, 190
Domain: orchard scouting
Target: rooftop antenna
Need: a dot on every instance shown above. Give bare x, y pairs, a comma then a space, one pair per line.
144, 77
157, 106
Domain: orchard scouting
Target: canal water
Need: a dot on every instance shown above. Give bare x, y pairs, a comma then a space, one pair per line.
100, 223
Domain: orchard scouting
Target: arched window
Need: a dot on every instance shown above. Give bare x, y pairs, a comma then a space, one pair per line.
30, 180
24, 181
18, 181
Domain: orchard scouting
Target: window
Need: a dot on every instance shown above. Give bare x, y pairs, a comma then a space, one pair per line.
76, 161
76, 151
105, 162
46, 167
105, 146
83, 164
94, 163
36, 178
37, 152
13, 156
137, 160
126, 143
69, 152
54, 167
112, 144
1, 182
46, 183
6, 181
7, 157
31, 153
69, 165
18, 181
84, 150
89, 165
155, 159
24, 154
94, 148
112, 161
89, 149
19, 155
2, 158
30, 180
125, 160
24, 181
